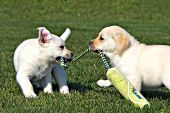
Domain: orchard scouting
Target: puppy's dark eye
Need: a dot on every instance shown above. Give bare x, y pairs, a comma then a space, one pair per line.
61, 47
101, 38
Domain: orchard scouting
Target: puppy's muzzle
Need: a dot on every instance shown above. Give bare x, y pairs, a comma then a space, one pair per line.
69, 57
92, 47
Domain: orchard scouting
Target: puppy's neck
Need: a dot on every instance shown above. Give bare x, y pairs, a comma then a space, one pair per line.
114, 59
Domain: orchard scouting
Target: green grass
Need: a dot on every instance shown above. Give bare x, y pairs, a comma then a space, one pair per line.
147, 20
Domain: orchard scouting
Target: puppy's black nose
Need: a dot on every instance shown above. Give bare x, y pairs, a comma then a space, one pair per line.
91, 42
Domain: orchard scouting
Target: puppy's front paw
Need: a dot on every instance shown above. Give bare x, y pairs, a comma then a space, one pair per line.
48, 91
30, 95
104, 83
64, 90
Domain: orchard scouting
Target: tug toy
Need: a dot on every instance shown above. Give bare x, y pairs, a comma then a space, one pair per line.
64, 63
123, 86
120, 83
82, 54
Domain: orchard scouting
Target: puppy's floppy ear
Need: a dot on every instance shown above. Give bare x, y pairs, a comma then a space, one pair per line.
122, 42
44, 35
66, 34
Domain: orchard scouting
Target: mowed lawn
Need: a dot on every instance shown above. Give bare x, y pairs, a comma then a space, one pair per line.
147, 20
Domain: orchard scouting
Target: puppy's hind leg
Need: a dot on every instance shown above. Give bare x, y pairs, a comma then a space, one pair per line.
61, 78
25, 84
104, 83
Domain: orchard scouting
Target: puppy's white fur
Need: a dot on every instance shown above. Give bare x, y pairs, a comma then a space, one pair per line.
144, 66
35, 62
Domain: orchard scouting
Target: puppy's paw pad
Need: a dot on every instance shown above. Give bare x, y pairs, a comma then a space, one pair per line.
64, 90
103, 83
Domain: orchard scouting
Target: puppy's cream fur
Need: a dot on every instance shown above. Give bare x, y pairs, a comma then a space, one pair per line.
35, 62
142, 65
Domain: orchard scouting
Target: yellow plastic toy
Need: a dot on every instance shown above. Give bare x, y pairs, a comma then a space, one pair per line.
120, 83
123, 86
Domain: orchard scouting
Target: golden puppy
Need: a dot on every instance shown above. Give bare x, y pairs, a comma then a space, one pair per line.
142, 65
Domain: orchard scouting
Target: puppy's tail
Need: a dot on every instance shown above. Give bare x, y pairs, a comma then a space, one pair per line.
66, 34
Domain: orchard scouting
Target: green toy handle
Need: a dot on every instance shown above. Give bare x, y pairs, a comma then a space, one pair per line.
82, 54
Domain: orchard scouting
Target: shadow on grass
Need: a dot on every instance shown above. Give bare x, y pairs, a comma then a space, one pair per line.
78, 87
72, 86
150, 94
37, 90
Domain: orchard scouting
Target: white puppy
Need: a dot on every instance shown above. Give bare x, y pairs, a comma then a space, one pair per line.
36, 60
142, 65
